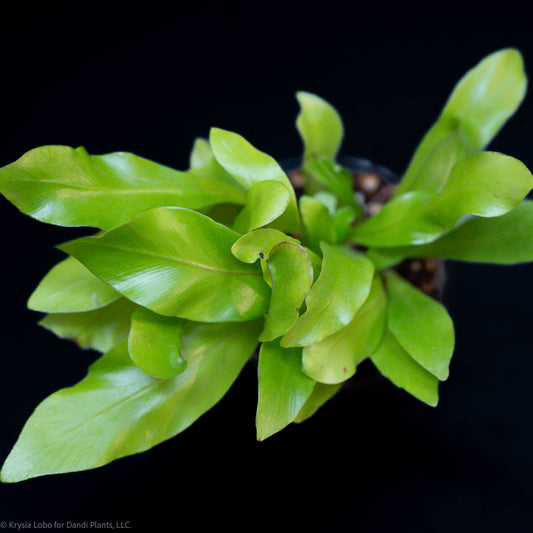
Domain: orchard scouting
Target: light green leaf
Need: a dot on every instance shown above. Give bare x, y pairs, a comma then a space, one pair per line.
318, 224
99, 329
480, 104
292, 277
320, 395
201, 153
248, 165
118, 410
336, 178
503, 240
266, 201
340, 290
487, 184
154, 343
68, 187
316, 261
70, 288
388, 257
328, 199
335, 358
320, 126
397, 366
187, 271
283, 389
405, 219
342, 222
224, 214
421, 325
259, 243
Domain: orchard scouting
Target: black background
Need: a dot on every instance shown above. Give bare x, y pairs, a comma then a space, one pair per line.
373, 459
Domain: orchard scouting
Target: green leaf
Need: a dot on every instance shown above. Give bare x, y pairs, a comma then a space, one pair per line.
187, 271
258, 243
421, 325
397, 366
335, 358
487, 184
224, 214
340, 290
292, 277
266, 201
118, 410
248, 165
480, 104
336, 178
342, 222
320, 395
70, 288
316, 261
201, 153
99, 329
388, 257
68, 187
154, 343
319, 125
503, 240
283, 389
318, 224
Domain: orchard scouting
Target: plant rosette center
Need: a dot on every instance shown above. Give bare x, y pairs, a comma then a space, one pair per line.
318, 270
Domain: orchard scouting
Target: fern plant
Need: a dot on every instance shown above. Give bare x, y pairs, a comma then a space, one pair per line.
192, 272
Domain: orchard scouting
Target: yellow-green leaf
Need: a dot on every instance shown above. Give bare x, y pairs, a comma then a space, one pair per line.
154, 343
421, 325
176, 262
70, 288
400, 368
99, 329
283, 388
68, 187
248, 165
292, 277
340, 290
335, 358
480, 104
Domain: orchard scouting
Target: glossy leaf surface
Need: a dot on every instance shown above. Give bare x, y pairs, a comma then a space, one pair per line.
248, 165
319, 125
283, 388
421, 325
480, 104
70, 288
176, 262
340, 290
265, 202
320, 395
292, 277
397, 366
258, 243
503, 240
318, 224
154, 343
335, 358
99, 329
487, 184
118, 410
68, 187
